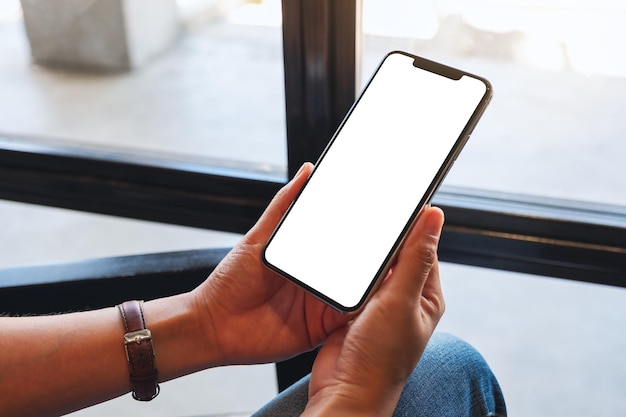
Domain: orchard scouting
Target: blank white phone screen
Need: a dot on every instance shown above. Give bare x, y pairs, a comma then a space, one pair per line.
372, 179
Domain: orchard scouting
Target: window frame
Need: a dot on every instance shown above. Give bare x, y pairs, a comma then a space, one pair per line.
541, 236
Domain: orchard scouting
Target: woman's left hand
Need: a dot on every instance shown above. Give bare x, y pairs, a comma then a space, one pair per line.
251, 314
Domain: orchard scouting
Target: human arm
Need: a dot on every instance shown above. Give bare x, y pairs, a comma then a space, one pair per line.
54, 364
51, 365
363, 366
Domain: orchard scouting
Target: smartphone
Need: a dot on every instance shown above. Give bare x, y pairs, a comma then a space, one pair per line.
340, 235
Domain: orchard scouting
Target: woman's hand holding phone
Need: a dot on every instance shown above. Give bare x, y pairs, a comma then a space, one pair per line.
363, 366
253, 315
243, 313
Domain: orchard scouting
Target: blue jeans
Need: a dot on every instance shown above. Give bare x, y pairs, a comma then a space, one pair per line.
451, 380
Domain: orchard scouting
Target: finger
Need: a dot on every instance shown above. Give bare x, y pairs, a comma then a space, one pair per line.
433, 302
280, 203
417, 260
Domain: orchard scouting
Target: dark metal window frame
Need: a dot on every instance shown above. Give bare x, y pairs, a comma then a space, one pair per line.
542, 236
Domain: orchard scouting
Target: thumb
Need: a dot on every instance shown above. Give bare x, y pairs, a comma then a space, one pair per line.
417, 262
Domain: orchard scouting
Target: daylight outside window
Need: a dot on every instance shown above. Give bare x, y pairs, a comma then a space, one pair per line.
212, 95
216, 96
555, 126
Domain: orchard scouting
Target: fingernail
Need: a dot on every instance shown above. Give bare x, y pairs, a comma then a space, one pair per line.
433, 228
299, 171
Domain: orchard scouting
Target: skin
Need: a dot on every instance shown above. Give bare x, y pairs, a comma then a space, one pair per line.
57, 364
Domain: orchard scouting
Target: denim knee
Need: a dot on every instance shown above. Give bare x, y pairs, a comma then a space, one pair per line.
451, 379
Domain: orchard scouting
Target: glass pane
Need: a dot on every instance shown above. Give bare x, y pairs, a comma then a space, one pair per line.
34, 235
198, 80
556, 346
555, 126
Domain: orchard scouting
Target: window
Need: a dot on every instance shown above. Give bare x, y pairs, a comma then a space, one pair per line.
496, 227
212, 90
212, 87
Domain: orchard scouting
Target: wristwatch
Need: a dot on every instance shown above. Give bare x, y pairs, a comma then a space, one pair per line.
139, 352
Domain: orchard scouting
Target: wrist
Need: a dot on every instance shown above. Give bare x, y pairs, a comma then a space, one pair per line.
181, 343
344, 402
340, 406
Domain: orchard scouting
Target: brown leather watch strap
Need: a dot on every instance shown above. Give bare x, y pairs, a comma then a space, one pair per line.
139, 352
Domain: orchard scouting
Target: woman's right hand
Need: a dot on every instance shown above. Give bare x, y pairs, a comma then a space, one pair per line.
363, 366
